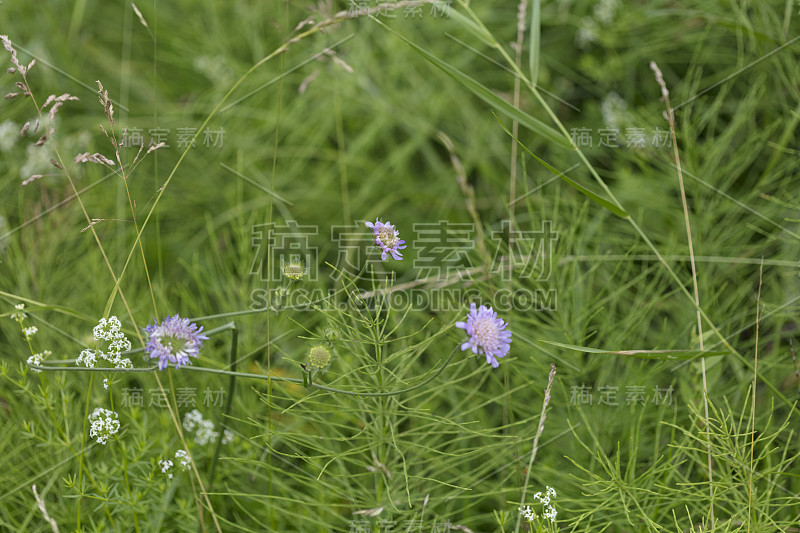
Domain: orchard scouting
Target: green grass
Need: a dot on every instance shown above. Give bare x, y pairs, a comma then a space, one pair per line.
360, 142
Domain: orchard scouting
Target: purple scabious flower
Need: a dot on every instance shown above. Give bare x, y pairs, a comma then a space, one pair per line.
387, 238
173, 341
487, 334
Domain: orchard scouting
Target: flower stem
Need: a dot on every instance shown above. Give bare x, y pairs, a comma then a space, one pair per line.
536, 438
228, 401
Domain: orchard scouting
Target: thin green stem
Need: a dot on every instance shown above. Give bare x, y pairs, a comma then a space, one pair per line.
83, 447
262, 377
228, 402
535, 448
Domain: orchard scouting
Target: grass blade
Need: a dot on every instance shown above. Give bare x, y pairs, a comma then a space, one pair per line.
486, 94
595, 198
535, 41
669, 355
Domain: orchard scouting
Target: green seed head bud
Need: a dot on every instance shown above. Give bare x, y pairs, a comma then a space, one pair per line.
294, 270
279, 295
332, 334
318, 357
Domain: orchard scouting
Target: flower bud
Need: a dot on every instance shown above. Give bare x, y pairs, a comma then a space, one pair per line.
332, 334
318, 357
293, 270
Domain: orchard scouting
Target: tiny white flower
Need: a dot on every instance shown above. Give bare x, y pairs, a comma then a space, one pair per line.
527, 513
104, 423
37, 160
114, 324
191, 419
9, 133
605, 10
120, 344
108, 330
548, 511
193, 422
34, 360
166, 466
183, 457
587, 33
87, 358
205, 433
105, 383
38, 358
614, 110
30, 331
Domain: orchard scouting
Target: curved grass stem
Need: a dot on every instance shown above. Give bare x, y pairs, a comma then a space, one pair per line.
262, 377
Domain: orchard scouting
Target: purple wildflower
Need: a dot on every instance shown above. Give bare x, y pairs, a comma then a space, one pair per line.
174, 341
387, 238
487, 334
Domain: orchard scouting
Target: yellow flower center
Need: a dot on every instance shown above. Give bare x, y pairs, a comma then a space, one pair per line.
387, 236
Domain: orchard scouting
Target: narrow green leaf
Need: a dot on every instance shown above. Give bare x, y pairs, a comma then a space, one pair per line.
468, 25
485, 94
602, 201
534, 53
642, 354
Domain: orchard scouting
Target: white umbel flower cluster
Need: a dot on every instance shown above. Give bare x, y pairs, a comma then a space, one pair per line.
606, 10
38, 358
203, 429
181, 456
19, 314
9, 133
104, 424
108, 330
166, 466
590, 28
548, 511
614, 110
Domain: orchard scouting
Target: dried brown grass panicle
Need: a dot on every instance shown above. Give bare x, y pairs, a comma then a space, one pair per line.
107, 106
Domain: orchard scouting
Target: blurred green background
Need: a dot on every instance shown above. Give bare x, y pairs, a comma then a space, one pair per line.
330, 140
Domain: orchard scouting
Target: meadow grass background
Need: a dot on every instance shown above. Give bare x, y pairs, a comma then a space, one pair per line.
362, 142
